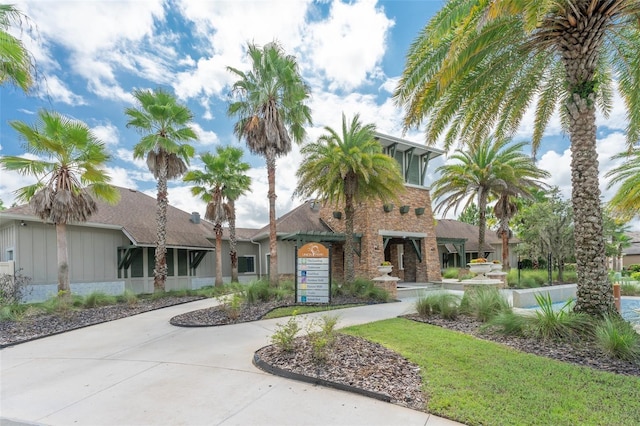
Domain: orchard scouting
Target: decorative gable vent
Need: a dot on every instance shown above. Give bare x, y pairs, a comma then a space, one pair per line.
195, 217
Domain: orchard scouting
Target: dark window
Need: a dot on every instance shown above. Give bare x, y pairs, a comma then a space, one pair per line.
246, 264
182, 263
137, 264
151, 264
414, 170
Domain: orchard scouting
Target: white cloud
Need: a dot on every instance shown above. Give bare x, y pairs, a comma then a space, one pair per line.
107, 133
53, 87
205, 137
360, 30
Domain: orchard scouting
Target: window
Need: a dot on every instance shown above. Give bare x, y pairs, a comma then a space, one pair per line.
182, 263
9, 255
169, 259
400, 256
246, 264
137, 264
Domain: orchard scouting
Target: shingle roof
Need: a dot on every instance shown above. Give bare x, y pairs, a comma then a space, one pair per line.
449, 228
304, 218
136, 215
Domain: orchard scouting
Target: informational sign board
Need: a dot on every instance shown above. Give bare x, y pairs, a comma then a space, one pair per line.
313, 274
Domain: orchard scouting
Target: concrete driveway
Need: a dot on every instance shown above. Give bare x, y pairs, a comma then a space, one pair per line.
143, 371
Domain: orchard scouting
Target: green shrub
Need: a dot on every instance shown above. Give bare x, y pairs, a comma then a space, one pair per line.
128, 297
322, 341
618, 338
635, 276
258, 291
450, 273
562, 324
634, 268
98, 298
232, 305
628, 289
360, 288
483, 303
509, 323
284, 336
445, 304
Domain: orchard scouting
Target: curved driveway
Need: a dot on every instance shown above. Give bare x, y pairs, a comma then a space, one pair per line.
143, 371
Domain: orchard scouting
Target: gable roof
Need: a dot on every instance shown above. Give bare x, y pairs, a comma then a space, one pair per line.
304, 218
449, 228
135, 215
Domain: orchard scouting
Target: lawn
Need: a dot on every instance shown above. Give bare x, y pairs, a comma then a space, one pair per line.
479, 382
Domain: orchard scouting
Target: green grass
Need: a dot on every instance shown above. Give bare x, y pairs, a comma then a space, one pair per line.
299, 310
483, 383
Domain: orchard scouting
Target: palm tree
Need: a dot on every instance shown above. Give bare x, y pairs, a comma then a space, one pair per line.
504, 209
483, 169
68, 179
348, 168
271, 105
626, 201
223, 179
479, 65
165, 127
16, 63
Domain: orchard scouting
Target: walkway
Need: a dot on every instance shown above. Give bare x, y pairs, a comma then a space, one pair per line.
143, 371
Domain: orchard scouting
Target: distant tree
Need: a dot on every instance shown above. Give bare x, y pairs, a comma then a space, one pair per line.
486, 168
68, 179
16, 63
348, 168
220, 184
626, 201
546, 227
615, 232
2, 206
471, 215
271, 105
165, 128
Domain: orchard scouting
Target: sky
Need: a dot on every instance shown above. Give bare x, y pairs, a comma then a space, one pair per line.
91, 55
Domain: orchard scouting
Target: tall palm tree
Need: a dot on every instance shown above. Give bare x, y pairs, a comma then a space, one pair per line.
165, 128
349, 168
223, 179
479, 65
626, 201
484, 169
270, 106
68, 179
504, 209
16, 63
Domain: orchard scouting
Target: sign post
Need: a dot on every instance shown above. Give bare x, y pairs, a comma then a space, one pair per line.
313, 274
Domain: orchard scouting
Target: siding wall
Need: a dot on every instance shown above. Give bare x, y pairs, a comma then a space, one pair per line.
7, 240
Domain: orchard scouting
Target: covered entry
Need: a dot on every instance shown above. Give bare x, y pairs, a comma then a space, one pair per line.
405, 251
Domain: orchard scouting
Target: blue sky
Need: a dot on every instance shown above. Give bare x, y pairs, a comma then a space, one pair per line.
91, 55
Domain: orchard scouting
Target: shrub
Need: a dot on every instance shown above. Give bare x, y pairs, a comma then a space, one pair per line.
98, 298
562, 324
13, 288
284, 336
634, 268
232, 305
635, 276
483, 303
618, 338
322, 341
258, 291
450, 273
128, 297
628, 289
509, 323
445, 304
361, 288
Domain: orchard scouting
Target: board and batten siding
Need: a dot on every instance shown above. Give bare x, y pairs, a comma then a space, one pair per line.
7, 241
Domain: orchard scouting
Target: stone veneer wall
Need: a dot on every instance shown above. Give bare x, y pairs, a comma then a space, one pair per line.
371, 218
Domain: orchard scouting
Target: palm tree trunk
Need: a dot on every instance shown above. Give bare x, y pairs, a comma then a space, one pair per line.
217, 229
482, 220
350, 274
273, 236
595, 294
233, 241
63, 261
160, 271
506, 266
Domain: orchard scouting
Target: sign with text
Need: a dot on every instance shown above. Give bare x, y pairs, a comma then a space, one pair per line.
313, 275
